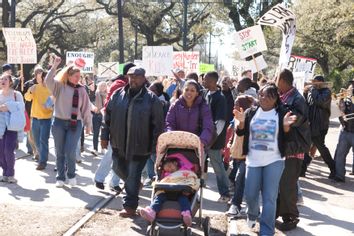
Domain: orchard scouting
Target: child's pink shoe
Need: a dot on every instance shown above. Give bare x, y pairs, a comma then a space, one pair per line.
187, 218
148, 214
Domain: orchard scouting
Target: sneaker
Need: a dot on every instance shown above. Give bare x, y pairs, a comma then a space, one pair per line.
300, 201
224, 199
251, 223
338, 180
99, 185
148, 214
72, 182
116, 189
11, 179
187, 218
94, 152
3, 178
147, 182
233, 211
59, 184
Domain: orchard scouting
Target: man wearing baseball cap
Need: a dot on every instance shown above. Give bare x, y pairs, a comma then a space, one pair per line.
133, 121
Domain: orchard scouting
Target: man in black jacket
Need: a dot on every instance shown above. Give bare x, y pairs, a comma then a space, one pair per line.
297, 143
319, 100
133, 122
217, 103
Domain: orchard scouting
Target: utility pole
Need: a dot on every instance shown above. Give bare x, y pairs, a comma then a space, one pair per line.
136, 43
209, 46
13, 14
120, 32
185, 24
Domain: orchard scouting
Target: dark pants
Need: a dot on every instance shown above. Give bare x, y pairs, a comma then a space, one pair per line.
161, 198
96, 125
345, 142
287, 198
7, 152
240, 166
319, 142
130, 172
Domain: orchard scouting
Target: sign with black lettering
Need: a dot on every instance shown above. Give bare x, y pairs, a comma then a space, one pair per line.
158, 60
87, 56
302, 64
250, 41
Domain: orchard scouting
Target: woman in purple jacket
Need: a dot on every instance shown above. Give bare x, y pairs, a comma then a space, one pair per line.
191, 113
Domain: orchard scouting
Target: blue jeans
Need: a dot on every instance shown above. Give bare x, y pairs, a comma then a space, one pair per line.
150, 166
105, 167
221, 176
161, 198
240, 166
265, 179
345, 142
129, 171
41, 132
96, 125
65, 141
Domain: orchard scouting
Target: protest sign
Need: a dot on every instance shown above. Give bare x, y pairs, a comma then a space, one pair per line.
299, 81
158, 60
284, 19
139, 63
108, 69
250, 41
237, 67
256, 63
302, 64
21, 46
188, 61
87, 56
204, 68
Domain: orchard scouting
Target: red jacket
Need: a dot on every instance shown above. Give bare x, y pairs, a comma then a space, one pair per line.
117, 84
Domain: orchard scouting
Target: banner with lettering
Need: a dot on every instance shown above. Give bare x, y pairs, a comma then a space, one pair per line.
302, 64
89, 58
188, 61
21, 46
250, 41
158, 60
284, 19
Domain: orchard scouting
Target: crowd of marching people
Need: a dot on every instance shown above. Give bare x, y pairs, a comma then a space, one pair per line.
259, 135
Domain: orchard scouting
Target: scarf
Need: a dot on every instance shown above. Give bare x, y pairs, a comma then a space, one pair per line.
75, 105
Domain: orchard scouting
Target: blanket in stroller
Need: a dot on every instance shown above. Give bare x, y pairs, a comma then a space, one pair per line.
183, 177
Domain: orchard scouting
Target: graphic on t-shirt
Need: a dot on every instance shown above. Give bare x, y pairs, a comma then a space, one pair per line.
263, 134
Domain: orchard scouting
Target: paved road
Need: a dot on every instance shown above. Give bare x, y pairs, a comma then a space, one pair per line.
35, 207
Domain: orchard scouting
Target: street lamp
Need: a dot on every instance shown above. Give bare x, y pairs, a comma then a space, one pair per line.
120, 31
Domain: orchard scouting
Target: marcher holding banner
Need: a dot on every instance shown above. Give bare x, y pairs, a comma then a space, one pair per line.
71, 110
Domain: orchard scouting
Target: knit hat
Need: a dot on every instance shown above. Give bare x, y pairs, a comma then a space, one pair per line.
127, 67
6, 67
319, 78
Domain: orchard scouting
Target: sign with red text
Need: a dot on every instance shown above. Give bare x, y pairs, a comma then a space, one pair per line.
21, 46
158, 60
89, 58
250, 41
188, 61
302, 64
284, 19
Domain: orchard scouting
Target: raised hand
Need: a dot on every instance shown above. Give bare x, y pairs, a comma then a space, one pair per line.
56, 61
239, 115
289, 119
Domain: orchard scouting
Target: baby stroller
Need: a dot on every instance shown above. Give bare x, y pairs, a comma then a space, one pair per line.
169, 217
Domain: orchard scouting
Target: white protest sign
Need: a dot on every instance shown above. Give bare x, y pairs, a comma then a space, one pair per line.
284, 19
250, 41
188, 61
21, 46
87, 56
139, 63
158, 60
261, 64
302, 64
237, 67
299, 81
108, 69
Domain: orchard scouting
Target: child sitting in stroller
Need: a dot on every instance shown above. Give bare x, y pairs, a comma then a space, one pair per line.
176, 169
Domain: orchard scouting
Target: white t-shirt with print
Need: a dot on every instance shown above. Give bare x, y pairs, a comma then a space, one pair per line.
263, 140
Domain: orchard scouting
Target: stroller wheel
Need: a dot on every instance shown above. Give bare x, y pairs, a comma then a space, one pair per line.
152, 230
206, 226
187, 232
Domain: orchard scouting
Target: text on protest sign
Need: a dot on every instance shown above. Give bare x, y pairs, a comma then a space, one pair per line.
284, 19
303, 64
108, 69
237, 67
188, 61
250, 41
21, 46
158, 60
89, 58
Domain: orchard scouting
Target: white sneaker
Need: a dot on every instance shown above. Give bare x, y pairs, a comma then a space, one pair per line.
233, 211
11, 179
251, 223
59, 184
3, 179
72, 182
